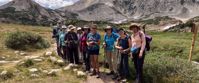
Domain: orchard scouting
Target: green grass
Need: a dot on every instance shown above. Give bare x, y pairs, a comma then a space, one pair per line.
167, 62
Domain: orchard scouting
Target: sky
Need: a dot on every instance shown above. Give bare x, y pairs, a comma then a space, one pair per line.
53, 4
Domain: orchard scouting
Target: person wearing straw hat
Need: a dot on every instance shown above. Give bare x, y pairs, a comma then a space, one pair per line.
62, 44
93, 42
83, 48
138, 50
109, 41
72, 43
79, 34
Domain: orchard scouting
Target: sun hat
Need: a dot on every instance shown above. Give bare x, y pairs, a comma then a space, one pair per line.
79, 28
134, 25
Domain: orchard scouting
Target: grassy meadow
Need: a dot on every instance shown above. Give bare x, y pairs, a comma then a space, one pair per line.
167, 62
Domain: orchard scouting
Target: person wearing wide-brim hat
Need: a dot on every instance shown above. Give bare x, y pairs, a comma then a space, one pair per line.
72, 43
79, 35
83, 48
138, 50
109, 41
62, 43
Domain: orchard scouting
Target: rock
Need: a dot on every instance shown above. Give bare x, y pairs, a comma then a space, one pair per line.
53, 59
33, 70
38, 60
74, 70
34, 75
48, 53
22, 54
45, 71
53, 72
60, 62
16, 52
81, 73
67, 68
4, 72
3, 57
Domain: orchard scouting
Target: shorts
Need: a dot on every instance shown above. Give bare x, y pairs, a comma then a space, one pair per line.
93, 52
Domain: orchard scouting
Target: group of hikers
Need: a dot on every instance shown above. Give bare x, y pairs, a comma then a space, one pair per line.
83, 43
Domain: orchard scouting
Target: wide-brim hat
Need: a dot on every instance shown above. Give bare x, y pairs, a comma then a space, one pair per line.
63, 27
134, 25
108, 28
79, 28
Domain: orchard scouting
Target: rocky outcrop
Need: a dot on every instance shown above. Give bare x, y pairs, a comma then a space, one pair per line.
111, 10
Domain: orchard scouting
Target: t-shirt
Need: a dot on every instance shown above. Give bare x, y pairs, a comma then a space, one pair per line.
110, 41
93, 38
62, 38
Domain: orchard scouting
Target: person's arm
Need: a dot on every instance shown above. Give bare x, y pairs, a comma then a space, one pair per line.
117, 45
143, 44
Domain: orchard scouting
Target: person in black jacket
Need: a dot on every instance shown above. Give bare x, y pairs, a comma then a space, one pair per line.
72, 43
56, 31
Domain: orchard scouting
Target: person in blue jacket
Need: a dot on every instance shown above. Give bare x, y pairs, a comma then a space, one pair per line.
62, 43
109, 44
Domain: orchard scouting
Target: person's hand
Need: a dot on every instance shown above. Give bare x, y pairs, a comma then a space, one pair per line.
104, 44
120, 48
140, 55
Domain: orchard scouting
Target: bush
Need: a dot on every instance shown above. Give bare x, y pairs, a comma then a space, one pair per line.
25, 40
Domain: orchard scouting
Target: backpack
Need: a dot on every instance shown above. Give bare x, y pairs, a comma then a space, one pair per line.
148, 41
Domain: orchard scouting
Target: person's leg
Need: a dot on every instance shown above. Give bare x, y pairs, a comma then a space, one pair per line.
140, 68
109, 58
64, 53
126, 66
135, 58
71, 55
76, 56
87, 61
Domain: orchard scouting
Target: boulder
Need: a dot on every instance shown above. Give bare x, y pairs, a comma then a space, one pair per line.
48, 53
22, 54
4, 72
16, 52
45, 71
33, 70
74, 70
53, 59
34, 75
60, 62
38, 60
53, 72
81, 73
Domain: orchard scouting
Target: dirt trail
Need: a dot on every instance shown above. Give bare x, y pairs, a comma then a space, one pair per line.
103, 79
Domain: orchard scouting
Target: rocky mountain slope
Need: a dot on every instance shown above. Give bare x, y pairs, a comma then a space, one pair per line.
122, 10
29, 12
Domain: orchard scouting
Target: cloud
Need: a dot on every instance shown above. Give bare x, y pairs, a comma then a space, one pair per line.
2, 2
53, 4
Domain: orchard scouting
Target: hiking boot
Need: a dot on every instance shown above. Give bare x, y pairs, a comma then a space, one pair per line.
98, 75
94, 73
111, 73
124, 80
119, 78
115, 77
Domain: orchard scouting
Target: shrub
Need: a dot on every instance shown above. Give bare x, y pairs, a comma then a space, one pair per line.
25, 40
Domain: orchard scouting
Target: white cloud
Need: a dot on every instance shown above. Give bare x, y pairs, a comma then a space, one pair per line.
2, 2
53, 4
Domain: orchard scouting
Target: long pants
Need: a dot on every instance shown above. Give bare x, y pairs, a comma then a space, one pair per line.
65, 55
73, 55
58, 48
124, 66
138, 63
86, 58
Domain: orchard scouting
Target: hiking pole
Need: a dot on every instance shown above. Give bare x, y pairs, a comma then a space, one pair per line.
195, 31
